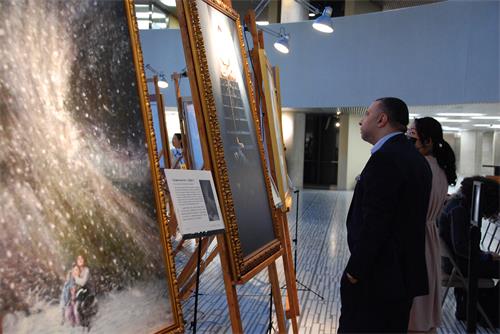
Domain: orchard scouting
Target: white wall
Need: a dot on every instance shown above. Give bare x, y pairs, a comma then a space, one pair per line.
295, 147
358, 152
343, 151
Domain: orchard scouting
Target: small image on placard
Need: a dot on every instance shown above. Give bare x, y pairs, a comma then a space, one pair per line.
209, 199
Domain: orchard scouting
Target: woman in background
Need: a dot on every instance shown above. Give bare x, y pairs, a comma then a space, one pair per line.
454, 225
427, 134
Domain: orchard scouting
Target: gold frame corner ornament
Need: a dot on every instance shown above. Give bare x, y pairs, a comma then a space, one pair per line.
178, 325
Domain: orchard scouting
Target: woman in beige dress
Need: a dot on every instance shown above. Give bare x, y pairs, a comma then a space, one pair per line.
427, 134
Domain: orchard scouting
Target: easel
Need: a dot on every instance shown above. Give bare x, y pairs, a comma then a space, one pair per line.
292, 301
230, 282
186, 279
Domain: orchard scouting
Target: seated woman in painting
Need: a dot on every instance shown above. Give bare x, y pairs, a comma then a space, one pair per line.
77, 299
68, 296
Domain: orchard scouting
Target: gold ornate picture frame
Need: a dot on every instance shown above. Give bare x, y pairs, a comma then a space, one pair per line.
83, 216
273, 115
213, 41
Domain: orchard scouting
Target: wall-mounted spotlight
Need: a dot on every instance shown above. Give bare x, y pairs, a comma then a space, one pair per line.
282, 43
162, 80
322, 23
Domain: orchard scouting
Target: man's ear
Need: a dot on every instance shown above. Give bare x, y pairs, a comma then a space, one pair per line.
382, 120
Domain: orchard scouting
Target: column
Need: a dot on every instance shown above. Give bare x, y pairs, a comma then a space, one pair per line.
292, 11
471, 153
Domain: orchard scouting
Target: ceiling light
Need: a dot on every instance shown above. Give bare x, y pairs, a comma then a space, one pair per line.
449, 128
312, 15
450, 120
262, 23
492, 126
337, 125
487, 117
459, 114
324, 22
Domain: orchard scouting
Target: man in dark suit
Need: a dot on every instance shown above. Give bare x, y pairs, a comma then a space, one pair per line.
386, 227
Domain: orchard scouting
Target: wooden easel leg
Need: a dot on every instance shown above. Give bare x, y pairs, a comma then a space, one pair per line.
179, 246
276, 291
295, 326
290, 278
232, 297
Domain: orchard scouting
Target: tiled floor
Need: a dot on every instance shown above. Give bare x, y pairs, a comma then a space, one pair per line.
322, 254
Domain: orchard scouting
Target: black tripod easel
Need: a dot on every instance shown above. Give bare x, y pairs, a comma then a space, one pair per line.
199, 236
197, 290
270, 327
295, 241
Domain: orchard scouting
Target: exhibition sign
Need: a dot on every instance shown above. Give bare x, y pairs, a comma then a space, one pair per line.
215, 43
195, 202
84, 241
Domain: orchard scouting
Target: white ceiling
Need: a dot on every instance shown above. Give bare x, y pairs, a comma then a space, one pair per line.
465, 116
459, 117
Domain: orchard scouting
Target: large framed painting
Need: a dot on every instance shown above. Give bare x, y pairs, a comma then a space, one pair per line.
273, 117
83, 238
213, 38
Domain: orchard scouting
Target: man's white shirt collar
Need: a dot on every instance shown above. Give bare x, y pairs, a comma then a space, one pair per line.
382, 141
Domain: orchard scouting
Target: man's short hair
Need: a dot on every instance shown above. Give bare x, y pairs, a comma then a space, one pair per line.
396, 111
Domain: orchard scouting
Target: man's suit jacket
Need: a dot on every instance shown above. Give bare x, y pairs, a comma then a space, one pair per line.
386, 222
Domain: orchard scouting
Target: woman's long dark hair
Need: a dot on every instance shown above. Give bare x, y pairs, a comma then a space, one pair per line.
428, 128
179, 137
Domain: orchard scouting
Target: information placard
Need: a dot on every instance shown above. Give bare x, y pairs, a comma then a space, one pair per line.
195, 202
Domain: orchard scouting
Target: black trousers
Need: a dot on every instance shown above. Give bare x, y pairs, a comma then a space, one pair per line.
363, 311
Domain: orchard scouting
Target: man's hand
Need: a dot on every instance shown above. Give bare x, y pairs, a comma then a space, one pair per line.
351, 279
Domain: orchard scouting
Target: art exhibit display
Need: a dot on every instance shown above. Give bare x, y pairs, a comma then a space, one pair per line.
83, 242
193, 134
273, 114
229, 110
